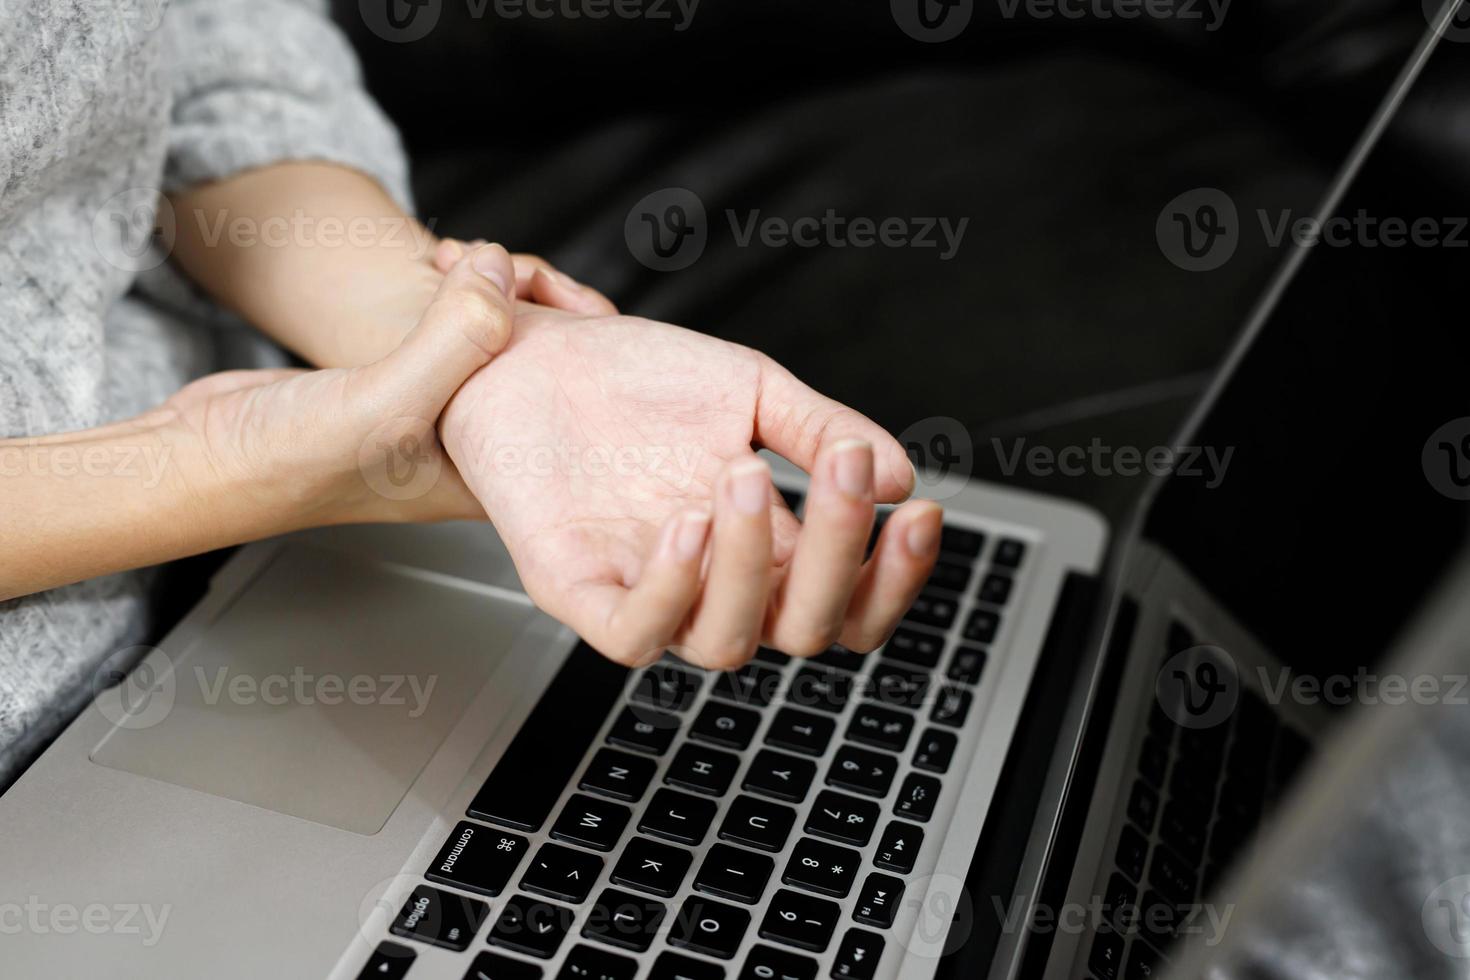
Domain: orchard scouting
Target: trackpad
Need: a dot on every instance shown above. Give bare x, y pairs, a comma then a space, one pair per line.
322, 691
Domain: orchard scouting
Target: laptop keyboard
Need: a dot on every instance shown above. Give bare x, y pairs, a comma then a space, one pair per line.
783, 802
1198, 796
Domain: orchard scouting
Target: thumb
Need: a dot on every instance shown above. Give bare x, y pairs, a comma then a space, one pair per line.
466, 324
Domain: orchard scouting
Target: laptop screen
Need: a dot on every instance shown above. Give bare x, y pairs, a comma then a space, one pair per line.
1332, 471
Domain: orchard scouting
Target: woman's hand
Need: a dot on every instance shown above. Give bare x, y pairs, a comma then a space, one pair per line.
248, 454
614, 455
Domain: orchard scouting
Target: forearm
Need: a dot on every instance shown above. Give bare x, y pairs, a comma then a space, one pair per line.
317, 256
124, 496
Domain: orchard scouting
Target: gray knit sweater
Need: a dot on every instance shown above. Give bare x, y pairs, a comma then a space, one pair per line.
102, 104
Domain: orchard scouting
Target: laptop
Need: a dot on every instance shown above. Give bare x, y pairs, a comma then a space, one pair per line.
366, 754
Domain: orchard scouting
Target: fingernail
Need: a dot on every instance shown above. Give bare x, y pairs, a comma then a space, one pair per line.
923, 534
489, 262
852, 468
750, 487
689, 536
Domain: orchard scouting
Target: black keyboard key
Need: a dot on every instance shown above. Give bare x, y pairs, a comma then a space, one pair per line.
881, 728
1106, 958
800, 731
652, 867
756, 823
617, 774
390, 961
935, 610
862, 771
1153, 761
1183, 828
591, 822
915, 647
677, 966
1143, 962
1143, 806
770, 963
898, 847
643, 730
440, 918
784, 777
585, 962
1158, 917
845, 819
729, 872
724, 724
1132, 852
961, 541
623, 919
949, 576
478, 859
916, 797
800, 920
1188, 780
1008, 553
678, 817
857, 956
561, 872
754, 684
995, 588
951, 707
545, 752
935, 750
1173, 876
493, 966
703, 770
666, 687
531, 926
877, 902
898, 686
824, 868
821, 689
982, 625
1120, 904
840, 657
709, 927
967, 665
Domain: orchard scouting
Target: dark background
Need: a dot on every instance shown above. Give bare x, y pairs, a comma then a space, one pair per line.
1059, 320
